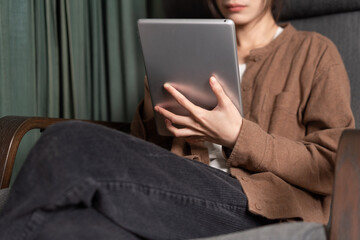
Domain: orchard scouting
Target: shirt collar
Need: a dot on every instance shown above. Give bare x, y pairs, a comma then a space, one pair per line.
258, 53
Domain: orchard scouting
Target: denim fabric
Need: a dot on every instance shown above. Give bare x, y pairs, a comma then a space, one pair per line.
83, 181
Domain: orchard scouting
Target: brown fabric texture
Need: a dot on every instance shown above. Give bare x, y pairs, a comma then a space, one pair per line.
296, 102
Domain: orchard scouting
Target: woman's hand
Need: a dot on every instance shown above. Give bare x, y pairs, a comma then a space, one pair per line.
220, 125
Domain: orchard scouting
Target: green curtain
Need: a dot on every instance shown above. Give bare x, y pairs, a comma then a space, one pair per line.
71, 58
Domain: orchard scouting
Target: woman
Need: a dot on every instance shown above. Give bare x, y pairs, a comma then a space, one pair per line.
280, 154
296, 103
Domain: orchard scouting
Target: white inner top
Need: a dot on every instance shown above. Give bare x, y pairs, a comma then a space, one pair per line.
217, 159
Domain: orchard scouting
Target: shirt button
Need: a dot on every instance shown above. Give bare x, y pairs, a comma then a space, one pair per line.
257, 206
245, 179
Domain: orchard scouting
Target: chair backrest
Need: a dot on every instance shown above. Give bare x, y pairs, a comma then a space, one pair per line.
339, 20
345, 209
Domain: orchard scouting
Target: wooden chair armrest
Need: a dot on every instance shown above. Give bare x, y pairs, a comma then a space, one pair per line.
345, 210
12, 130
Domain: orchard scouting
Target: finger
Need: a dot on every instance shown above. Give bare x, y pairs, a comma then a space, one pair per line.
181, 99
185, 121
181, 132
218, 90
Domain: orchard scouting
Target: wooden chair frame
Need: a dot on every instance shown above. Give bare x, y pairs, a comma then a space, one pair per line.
13, 129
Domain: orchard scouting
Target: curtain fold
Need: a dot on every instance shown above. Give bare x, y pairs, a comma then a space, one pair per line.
72, 59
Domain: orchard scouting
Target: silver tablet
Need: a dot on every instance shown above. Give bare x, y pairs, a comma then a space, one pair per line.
185, 53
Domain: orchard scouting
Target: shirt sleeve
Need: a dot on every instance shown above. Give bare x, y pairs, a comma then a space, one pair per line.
307, 163
143, 124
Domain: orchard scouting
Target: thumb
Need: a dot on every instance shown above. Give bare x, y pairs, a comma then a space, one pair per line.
218, 91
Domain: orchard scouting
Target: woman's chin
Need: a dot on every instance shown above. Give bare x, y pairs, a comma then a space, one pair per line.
239, 20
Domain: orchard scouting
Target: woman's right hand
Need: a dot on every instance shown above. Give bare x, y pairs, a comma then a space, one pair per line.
220, 125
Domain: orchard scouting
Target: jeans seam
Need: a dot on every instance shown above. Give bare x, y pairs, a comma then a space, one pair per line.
35, 220
40, 215
148, 189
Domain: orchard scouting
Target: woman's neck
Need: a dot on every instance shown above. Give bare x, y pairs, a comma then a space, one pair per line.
255, 34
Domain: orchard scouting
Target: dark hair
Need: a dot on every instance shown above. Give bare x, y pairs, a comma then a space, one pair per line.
275, 5
276, 8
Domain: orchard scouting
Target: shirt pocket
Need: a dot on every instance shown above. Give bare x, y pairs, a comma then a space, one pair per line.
284, 119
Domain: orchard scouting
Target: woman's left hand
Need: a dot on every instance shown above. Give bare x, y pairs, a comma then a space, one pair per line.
220, 125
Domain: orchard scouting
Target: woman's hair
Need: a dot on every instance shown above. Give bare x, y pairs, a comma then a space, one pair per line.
275, 5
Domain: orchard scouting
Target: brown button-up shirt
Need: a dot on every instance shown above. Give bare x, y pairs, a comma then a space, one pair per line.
296, 102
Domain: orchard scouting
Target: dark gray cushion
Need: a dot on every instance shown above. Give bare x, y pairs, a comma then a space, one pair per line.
344, 30
3, 196
281, 231
309, 8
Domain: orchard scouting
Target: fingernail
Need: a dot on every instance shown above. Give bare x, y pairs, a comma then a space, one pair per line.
166, 85
212, 80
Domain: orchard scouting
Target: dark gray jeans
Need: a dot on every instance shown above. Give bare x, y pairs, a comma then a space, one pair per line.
83, 181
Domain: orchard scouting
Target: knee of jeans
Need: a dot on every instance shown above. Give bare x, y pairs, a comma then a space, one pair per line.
63, 142
88, 139
67, 133
66, 129
74, 130
82, 135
